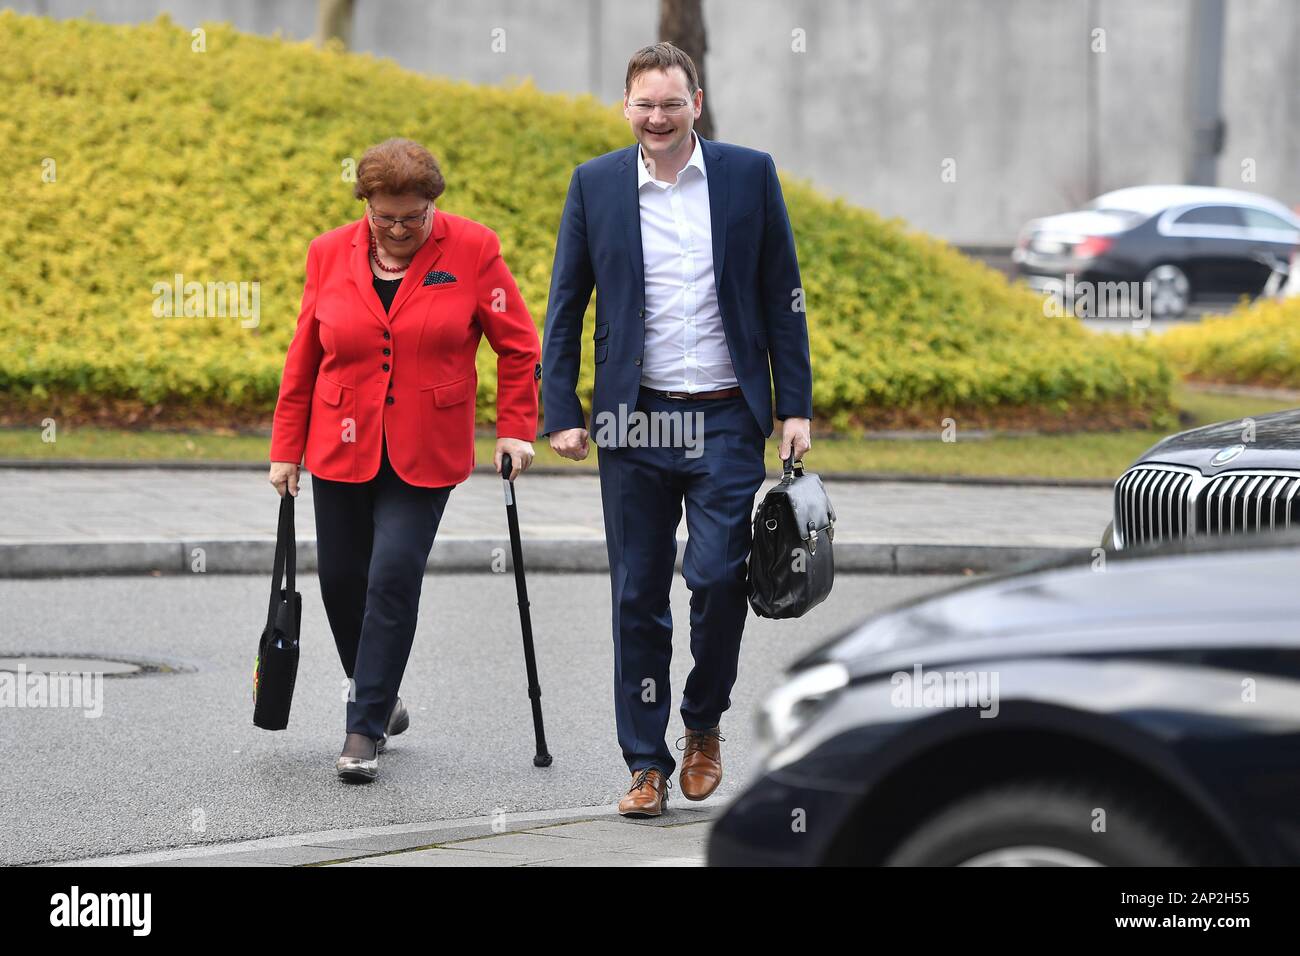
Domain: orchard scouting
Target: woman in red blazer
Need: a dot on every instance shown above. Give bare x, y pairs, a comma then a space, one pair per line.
379, 393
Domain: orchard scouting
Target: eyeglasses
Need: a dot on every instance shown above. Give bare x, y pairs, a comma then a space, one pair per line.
671, 108
411, 222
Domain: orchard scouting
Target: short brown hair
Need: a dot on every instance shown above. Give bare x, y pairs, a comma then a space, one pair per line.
661, 56
398, 166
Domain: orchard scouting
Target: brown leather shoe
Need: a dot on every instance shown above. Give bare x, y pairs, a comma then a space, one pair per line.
701, 764
647, 796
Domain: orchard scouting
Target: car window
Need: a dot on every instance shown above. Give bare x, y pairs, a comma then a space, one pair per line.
1259, 219
1211, 216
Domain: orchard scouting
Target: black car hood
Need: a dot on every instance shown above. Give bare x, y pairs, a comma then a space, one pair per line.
1204, 594
1276, 444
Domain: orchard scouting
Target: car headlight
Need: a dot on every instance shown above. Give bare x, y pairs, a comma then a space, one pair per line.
789, 708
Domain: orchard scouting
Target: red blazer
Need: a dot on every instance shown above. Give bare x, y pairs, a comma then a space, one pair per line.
354, 372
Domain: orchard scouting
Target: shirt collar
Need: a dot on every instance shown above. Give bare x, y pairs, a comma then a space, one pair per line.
697, 160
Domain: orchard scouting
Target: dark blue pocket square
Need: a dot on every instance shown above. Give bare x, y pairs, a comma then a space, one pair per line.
438, 278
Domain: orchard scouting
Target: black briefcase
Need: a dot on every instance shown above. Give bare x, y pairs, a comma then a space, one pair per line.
276, 668
792, 562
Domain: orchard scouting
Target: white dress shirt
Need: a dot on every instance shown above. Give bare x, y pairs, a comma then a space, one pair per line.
685, 346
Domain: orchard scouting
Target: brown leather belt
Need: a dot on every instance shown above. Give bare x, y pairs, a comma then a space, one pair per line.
716, 393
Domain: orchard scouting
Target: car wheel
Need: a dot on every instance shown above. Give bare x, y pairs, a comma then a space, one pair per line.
1052, 823
1170, 291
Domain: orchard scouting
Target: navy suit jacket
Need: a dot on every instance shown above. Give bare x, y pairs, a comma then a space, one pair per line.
755, 271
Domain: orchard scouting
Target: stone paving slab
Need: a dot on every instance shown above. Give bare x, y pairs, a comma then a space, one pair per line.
581, 836
455, 858
582, 843
76, 521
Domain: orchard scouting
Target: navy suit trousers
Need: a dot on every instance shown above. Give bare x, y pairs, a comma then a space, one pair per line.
643, 488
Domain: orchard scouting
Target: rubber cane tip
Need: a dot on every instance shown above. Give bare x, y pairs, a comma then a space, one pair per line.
542, 760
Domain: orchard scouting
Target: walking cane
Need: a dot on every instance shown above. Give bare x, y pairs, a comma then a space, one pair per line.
543, 757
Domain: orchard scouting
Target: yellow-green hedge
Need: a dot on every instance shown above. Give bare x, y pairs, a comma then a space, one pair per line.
1255, 344
222, 164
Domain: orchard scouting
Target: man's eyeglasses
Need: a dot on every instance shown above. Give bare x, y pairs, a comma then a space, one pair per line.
671, 108
411, 222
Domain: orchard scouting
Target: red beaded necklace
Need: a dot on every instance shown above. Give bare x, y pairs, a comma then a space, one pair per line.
374, 255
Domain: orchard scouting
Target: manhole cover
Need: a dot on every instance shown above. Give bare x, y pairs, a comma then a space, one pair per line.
108, 666
44, 665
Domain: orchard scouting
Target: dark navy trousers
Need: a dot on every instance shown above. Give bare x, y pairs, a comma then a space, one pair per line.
643, 489
372, 541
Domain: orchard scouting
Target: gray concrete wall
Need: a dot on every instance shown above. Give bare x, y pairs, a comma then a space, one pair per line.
885, 91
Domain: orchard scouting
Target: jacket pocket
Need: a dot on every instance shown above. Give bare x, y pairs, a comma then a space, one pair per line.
330, 391
602, 330
602, 353
449, 393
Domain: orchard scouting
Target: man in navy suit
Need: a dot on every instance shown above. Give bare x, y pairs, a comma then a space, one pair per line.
699, 317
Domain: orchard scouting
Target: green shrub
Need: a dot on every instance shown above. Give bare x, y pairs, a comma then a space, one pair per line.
1255, 344
221, 165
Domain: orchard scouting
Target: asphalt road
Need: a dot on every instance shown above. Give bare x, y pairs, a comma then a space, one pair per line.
175, 760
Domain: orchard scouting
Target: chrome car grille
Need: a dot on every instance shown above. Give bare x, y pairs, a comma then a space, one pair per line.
1151, 504
1156, 503
1248, 502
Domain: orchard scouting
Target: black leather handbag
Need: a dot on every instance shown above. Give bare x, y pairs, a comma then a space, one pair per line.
276, 668
792, 562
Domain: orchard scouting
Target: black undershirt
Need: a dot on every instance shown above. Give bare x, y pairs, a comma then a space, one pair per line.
386, 290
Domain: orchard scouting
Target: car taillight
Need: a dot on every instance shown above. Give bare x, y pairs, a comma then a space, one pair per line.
1092, 247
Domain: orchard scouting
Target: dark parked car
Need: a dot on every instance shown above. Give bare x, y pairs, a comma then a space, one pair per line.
1232, 477
1145, 710
1188, 242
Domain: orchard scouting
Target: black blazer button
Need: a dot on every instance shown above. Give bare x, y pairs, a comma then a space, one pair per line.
389, 400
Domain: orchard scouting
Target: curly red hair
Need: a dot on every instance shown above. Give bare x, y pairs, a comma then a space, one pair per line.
398, 166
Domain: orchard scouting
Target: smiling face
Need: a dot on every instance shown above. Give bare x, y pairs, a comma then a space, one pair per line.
402, 240
663, 134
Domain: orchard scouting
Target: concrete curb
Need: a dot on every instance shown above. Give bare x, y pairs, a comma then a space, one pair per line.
1254, 391
154, 556
357, 842
65, 464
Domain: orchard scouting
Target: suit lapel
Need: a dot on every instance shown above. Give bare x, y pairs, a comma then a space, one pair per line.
361, 274
629, 204
716, 175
